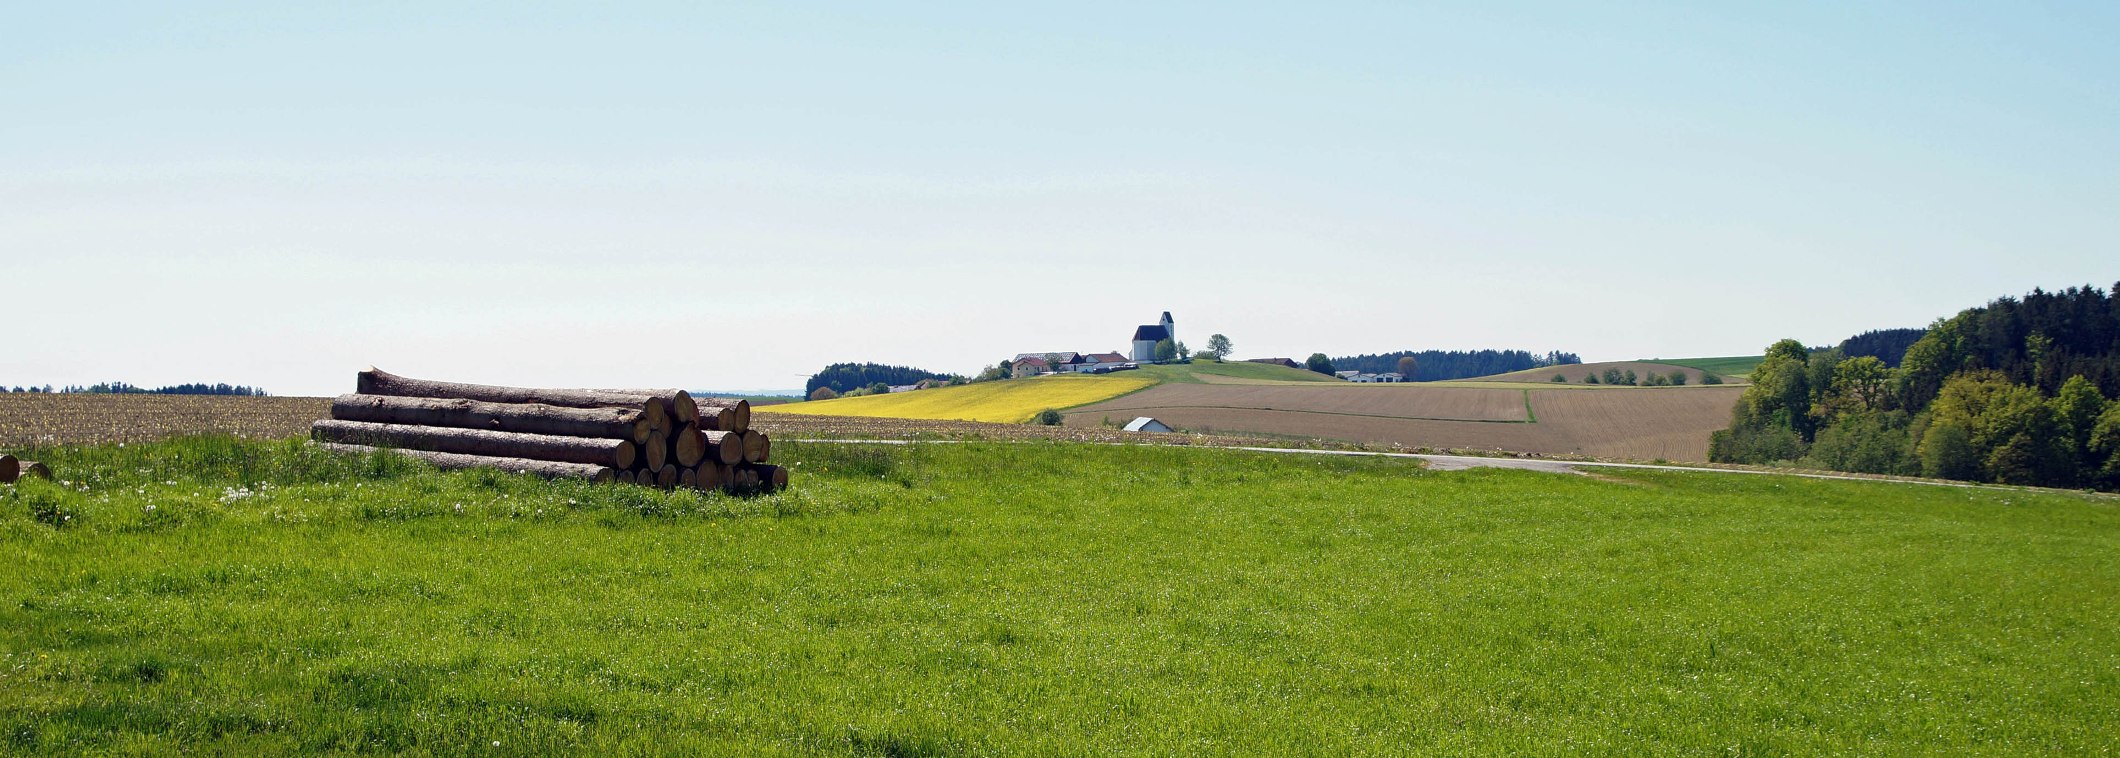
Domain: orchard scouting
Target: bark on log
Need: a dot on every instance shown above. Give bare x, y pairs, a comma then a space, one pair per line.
656, 453
755, 447
689, 446
526, 418
678, 404
734, 415
724, 447
376, 381
617, 454
547, 469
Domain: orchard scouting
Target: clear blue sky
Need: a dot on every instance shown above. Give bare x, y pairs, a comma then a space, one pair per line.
733, 196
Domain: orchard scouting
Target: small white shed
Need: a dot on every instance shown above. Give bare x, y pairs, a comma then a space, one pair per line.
1146, 424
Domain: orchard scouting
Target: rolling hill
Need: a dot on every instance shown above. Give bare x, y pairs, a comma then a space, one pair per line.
1737, 366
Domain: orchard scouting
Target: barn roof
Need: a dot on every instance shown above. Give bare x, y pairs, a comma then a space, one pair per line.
1151, 333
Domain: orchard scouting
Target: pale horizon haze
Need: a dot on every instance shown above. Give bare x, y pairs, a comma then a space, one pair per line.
731, 196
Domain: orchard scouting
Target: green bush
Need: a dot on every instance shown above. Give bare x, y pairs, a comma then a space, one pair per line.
1047, 417
1558, 379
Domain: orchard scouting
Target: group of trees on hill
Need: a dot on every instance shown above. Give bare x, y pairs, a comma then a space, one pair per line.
1888, 345
842, 378
2018, 392
1439, 365
122, 388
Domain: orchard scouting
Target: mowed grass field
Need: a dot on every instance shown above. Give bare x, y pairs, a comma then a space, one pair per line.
1035, 599
1575, 372
1627, 423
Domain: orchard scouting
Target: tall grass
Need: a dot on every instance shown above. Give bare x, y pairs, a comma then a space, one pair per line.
1041, 599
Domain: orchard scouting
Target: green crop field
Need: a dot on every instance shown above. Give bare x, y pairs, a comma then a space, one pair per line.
1733, 366
211, 595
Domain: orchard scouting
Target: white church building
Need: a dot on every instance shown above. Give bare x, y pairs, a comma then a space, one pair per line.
1147, 335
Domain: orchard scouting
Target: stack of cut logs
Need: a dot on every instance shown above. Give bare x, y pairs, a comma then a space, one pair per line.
659, 438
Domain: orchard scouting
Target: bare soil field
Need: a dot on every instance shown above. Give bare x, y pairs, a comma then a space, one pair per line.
80, 419
1662, 423
793, 427
1355, 401
1575, 372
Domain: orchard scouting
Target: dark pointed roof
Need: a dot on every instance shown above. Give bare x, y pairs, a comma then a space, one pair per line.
1151, 333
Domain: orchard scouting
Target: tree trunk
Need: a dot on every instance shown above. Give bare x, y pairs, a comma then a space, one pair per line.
688, 478
543, 447
689, 446
731, 415
667, 478
725, 447
451, 461
375, 381
756, 447
656, 454
771, 478
10, 468
607, 423
710, 475
625, 477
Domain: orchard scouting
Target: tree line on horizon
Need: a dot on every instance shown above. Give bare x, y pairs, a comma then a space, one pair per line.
122, 388
1442, 365
2020, 391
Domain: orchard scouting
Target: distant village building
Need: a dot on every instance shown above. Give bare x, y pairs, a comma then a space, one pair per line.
1146, 424
1275, 361
1029, 366
1347, 375
1384, 378
1147, 335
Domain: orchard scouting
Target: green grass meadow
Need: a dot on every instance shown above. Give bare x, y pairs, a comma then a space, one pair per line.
252, 598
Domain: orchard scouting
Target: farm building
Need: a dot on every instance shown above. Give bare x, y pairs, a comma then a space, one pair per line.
1029, 366
1146, 424
1347, 375
1147, 335
1392, 377
1275, 361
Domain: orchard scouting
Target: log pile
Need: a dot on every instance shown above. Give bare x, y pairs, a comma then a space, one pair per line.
656, 438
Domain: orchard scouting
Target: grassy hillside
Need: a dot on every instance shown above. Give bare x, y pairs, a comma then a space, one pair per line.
980, 599
1007, 401
1233, 372
1737, 366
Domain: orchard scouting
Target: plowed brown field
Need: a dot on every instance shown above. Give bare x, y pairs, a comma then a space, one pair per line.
1392, 401
1638, 423
69, 419
1574, 372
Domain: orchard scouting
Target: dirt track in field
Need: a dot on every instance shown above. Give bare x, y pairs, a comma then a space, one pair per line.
1352, 402
1627, 423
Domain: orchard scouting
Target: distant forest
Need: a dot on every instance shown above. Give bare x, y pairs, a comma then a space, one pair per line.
1888, 345
846, 377
121, 388
2021, 391
1439, 365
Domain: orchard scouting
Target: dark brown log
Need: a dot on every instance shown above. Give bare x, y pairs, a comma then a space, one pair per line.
10, 468
667, 478
527, 418
755, 447
547, 469
689, 446
34, 469
737, 418
656, 452
440, 439
376, 381
771, 478
724, 447
625, 477
688, 478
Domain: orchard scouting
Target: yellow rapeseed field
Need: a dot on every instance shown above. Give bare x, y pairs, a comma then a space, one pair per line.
1008, 402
